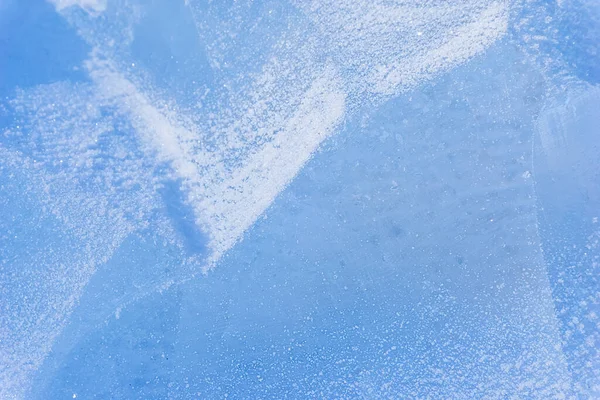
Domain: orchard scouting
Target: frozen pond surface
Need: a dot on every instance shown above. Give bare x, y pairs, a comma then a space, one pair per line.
299, 199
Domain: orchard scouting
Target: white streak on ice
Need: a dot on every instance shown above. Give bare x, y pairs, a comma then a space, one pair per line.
233, 205
464, 43
391, 47
91, 6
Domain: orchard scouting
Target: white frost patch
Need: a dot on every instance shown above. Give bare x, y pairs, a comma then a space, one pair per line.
92, 202
393, 46
227, 201
459, 46
91, 6
233, 205
163, 137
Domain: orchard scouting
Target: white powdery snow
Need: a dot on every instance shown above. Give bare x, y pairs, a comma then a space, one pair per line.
91, 6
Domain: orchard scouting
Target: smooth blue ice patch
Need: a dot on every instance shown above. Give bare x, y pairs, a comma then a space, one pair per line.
578, 33
171, 30
37, 46
568, 189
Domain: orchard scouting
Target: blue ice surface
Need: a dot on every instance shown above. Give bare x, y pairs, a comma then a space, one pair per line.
377, 273
37, 46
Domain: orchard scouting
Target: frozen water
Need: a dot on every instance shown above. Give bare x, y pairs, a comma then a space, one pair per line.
300, 199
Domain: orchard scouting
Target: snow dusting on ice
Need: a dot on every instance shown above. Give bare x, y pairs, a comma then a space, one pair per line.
143, 166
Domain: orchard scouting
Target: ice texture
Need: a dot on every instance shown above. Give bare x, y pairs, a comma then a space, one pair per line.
299, 199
